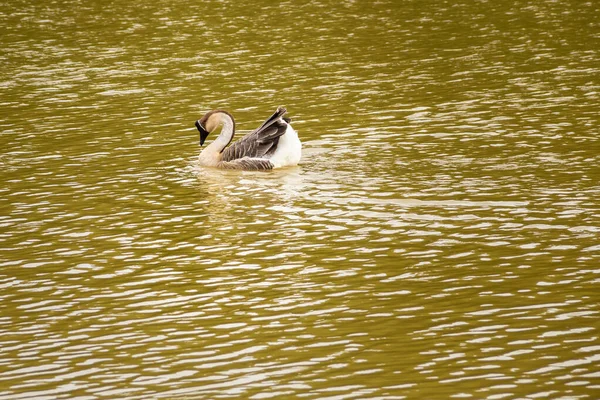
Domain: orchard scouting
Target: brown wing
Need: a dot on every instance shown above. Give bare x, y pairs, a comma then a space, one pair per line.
260, 142
247, 163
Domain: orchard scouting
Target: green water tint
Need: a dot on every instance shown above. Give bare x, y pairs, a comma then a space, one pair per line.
439, 238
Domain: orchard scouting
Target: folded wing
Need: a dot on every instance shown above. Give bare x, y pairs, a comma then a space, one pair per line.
247, 164
260, 143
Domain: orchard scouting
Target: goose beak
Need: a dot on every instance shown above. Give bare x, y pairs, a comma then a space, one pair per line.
203, 132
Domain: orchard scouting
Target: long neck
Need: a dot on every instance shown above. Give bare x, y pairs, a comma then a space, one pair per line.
211, 155
226, 135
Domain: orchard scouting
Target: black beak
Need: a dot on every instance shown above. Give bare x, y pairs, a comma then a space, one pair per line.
203, 132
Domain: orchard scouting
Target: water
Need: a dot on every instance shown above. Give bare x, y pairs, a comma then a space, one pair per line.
438, 240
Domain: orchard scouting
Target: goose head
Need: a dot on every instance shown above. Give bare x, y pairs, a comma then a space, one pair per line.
203, 132
207, 124
211, 121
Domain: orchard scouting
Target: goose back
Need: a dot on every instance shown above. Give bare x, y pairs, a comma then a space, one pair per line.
260, 143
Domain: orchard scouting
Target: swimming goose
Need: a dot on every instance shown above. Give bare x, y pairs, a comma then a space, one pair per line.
274, 144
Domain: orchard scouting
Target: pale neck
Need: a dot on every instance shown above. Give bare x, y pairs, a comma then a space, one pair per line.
228, 129
226, 135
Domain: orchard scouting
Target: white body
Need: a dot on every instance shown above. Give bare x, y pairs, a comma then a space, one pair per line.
289, 149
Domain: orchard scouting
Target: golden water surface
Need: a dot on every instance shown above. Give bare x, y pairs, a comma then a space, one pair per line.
439, 239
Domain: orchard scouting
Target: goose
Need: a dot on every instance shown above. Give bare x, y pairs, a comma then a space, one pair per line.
274, 144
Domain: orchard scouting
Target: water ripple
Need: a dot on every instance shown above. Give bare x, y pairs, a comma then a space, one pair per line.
439, 236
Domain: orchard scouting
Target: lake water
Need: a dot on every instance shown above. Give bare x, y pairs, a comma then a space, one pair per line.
439, 239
